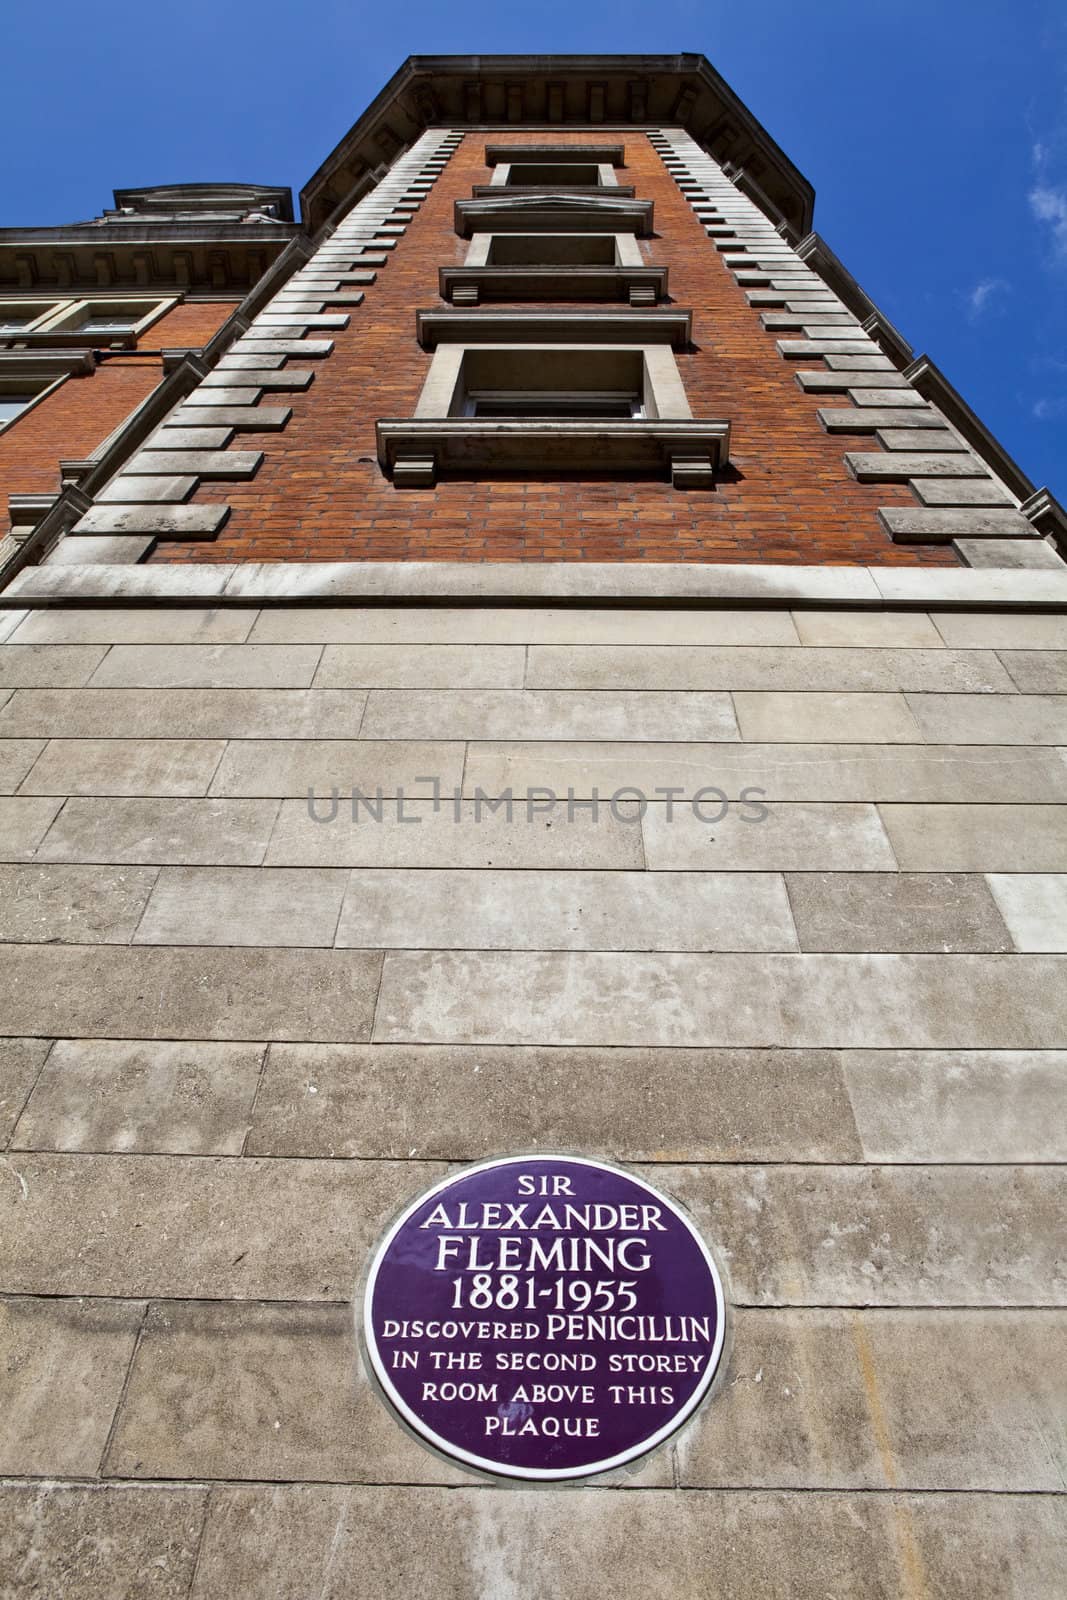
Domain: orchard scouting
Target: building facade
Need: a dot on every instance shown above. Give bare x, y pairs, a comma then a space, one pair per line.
521, 658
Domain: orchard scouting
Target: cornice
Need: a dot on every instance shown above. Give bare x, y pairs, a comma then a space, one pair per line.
503, 93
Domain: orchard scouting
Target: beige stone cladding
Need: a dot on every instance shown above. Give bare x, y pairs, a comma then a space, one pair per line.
829, 1018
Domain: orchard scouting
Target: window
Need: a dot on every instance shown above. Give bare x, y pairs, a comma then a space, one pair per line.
11, 406
553, 266
38, 323
551, 408
109, 318
103, 322
551, 403
18, 316
529, 174
553, 250
28, 376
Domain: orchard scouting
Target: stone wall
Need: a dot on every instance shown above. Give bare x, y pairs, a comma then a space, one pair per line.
234, 1040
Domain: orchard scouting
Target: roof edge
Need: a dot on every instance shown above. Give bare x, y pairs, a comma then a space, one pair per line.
509, 92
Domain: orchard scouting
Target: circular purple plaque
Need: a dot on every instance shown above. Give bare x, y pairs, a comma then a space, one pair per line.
543, 1317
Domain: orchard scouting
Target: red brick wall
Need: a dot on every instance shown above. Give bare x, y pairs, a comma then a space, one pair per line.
320, 495
82, 412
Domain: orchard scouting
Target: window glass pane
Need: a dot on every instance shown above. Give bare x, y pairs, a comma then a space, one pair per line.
121, 322
535, 405
12, 404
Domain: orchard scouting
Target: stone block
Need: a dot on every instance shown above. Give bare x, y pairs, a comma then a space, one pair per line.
178, 438
363, 1100
85, 1541
178, 522
1034, 906
991, 719
445, 666
951, 913
32, 665
355, 624
881, 466
298, 767
1039, 671
906, 1399
23, 824
576, 998
238, 362
306, 319
872, 419
260, 378
957, 1105
268, 1392
141, 491
782, 772
957, 492
1003, 630
72, 904
155, 832
122, 1095
885, 1236
211, 1227
100, 992
868, 629
903, 438
205, 463
940, 1002
545, 714
106, 549
1007, 553
65, 1362
825, 718
797, 349
354, 1543
978, 838
829, 316
889, 386
284, 347
923, 525
230, 394
125, 767
207, 666
967, 589
871, 366
798, 837
184, 713
564, 911
134, 625
250, 419
844, 670
21, 1061
548, 583
480, 838
232, 906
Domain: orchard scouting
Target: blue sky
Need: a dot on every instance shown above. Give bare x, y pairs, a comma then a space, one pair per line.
934, 131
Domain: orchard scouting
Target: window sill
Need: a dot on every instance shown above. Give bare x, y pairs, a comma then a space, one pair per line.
413, 451
468, 286
668, 326
553, 213
527, 191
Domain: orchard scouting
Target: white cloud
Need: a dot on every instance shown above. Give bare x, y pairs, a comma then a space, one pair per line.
1046, 410
982, 293
1050, 205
